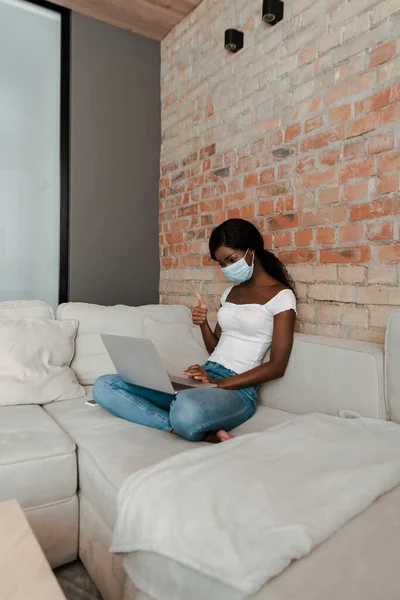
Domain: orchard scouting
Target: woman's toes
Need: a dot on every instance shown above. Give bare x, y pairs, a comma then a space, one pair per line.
224, 436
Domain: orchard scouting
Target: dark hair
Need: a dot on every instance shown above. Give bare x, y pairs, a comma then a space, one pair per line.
239, 234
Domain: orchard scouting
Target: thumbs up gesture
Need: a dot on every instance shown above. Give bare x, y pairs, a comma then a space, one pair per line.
199, 314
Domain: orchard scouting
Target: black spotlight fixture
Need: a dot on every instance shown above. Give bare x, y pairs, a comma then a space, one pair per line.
234, 40
272, 11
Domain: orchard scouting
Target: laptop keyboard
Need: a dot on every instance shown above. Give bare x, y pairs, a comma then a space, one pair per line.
179, 387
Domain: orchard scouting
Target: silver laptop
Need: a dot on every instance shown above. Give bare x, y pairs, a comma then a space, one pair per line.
137, 361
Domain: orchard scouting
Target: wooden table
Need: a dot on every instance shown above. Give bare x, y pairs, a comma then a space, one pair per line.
24, 571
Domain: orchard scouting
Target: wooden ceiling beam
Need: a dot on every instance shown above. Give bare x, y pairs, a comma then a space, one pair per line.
151, 18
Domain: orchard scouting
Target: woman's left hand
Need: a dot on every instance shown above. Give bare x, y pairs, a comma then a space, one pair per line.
197, 372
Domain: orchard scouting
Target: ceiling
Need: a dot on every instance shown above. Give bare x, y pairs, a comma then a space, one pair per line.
151, 18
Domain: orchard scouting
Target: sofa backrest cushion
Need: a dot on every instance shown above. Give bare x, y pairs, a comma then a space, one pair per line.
392, 366
21, 309
330, 375
91, 359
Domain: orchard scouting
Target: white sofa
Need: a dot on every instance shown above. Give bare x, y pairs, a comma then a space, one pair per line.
66, 461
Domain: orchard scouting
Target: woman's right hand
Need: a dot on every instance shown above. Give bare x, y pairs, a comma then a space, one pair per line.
199, 314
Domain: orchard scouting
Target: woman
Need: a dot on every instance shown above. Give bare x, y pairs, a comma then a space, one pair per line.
256, 315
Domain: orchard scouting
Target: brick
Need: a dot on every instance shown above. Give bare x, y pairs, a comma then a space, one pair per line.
303, 238
292, 132
355, 316
250, 180
211, 205
355, 149
352, 66
363, 125
234, 213
283, 221
390, 114
324, 216
394, 296
379, 317
239, 198
297, 256
210, 110
371, 210
365, 168
340, 113
355, 191
330, 157
305, 164
328, 195
266, 207
329, 313
388, 183
378, 100
351, 233
382, 54
354, 254
390, 162
389, 253
382, 274
213, 190
307, 55
282, 239
284, 204
325, 273
332, 293
380, 143
306, 312
326, 236
274, 139
351, 274
306, 200
372, 295
317, 179
267, 176
301, 272
314, 123
307, 107
328, 330
247, 212
207, 151
380, 231
274, 189
320, 140
187, 211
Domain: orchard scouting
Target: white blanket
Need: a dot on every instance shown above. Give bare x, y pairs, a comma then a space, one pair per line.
241, 511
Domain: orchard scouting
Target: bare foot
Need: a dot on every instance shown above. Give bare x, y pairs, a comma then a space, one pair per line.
218, 437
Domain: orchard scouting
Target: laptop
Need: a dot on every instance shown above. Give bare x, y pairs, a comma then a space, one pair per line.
137, 361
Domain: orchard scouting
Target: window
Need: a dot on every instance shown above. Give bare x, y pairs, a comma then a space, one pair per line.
34, 148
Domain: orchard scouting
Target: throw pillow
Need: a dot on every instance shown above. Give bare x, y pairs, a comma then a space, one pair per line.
35, 355
179, 346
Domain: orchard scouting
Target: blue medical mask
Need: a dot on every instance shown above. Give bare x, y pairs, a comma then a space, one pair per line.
240, 271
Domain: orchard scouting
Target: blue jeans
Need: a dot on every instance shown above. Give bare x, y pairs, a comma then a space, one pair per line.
192, 413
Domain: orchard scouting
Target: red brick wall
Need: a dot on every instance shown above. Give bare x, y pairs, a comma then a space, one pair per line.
298, 132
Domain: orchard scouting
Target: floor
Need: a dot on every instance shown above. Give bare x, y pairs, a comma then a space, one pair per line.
76, 582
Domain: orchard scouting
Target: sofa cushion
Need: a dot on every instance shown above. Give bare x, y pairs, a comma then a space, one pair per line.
329, 375
34, 356
91, 359
37, 459
111, 449
392, 366
178, 345
26, 308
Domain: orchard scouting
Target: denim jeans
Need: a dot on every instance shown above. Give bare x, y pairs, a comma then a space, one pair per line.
191, 413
